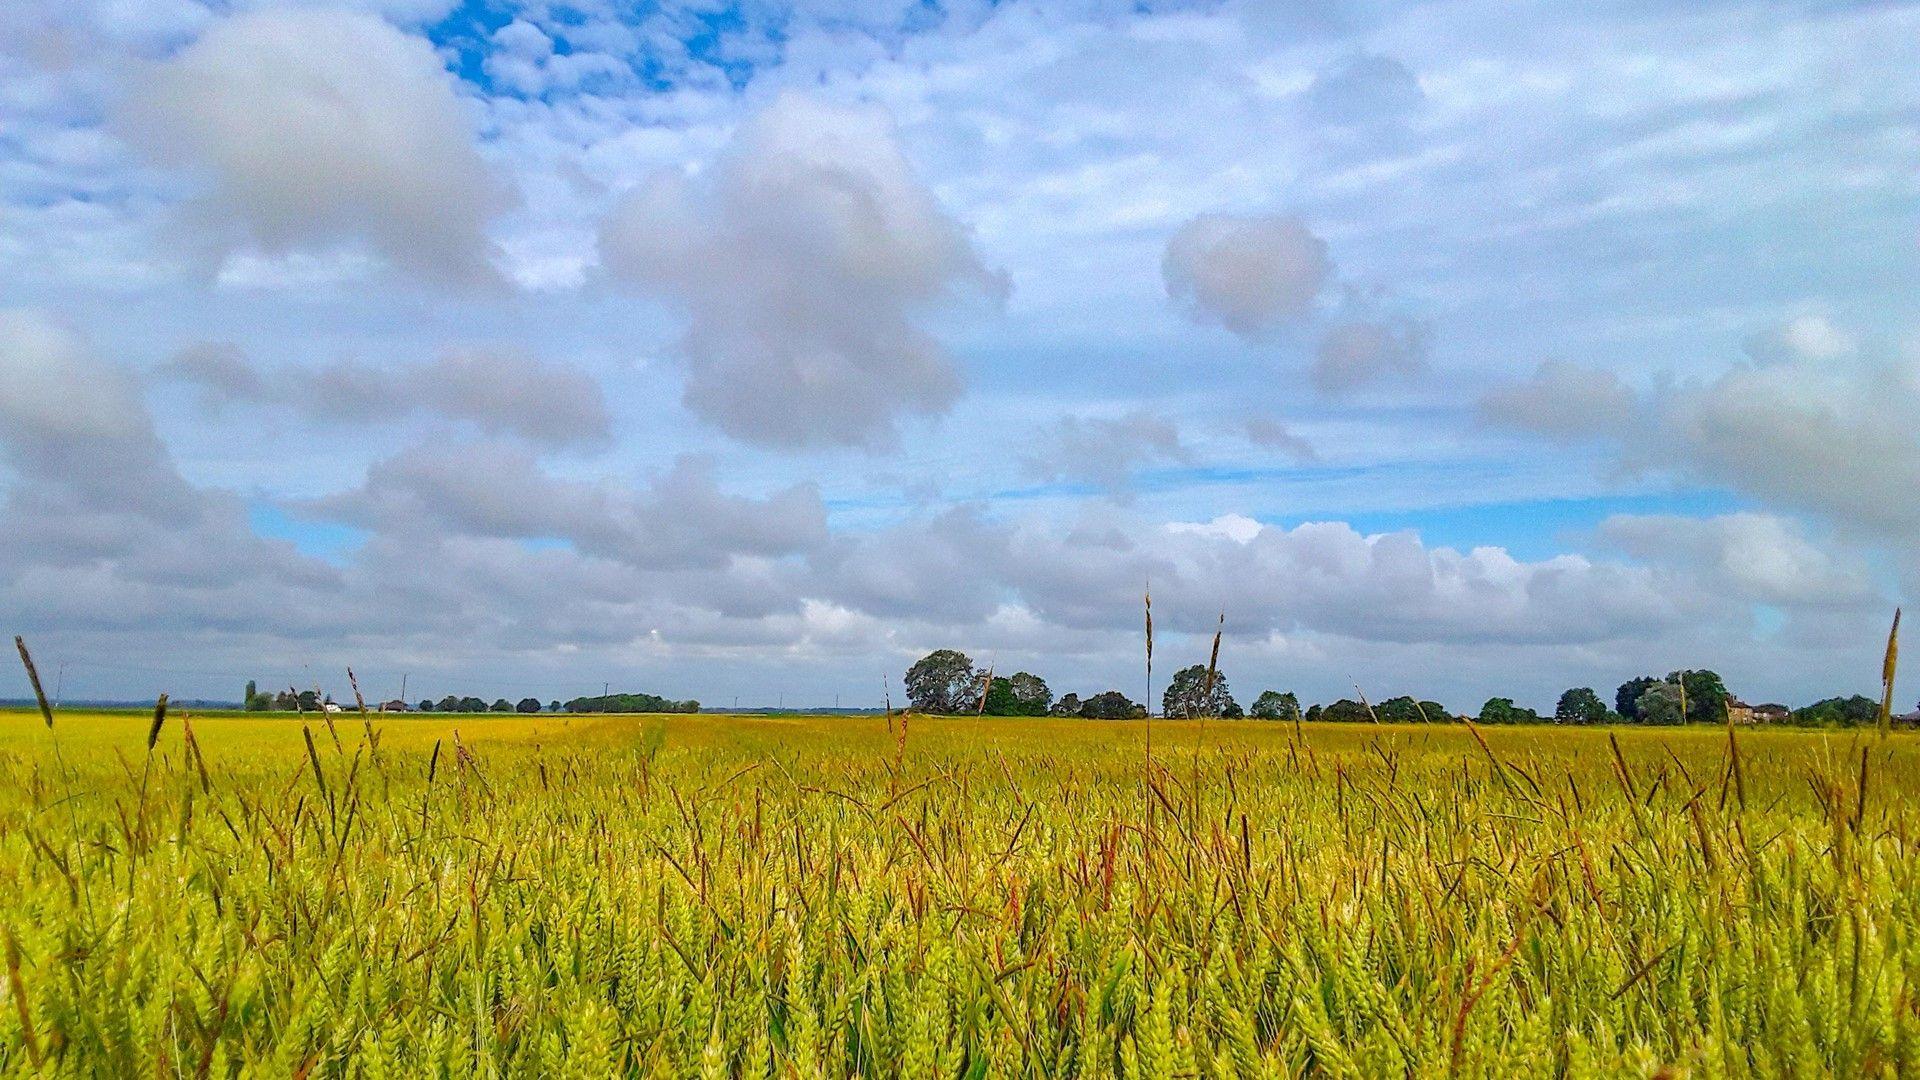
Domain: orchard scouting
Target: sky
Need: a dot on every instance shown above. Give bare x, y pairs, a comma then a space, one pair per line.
748, 351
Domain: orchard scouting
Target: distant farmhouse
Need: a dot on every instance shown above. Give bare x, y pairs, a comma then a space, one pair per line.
1770, 713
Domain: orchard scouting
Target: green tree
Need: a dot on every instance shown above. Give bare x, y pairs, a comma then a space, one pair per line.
1021, 695
1406, 710
1032, 693
943, 682
528, 705
1626, 700
1314, 713
425, 705
1347, 711
1707, 695
1503, 711
308, 701
1188, 694
1069, 705
1274, 705
1660, 704
1580, 705
1839, 712
553, 706
1111, 705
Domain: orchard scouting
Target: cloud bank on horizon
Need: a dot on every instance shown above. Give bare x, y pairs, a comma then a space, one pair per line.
755, 349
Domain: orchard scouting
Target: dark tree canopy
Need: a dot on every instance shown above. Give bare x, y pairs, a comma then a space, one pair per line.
1839, 712
528, 705
1580, 705
425, 705
943, 682
1626, 699
630, 703
1347, 711
1274, 705
1068, 705
1021, 695
1187, 694
1111, 705
1408, 710
1707, 695
1503, 711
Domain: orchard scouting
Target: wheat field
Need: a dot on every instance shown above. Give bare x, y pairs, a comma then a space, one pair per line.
804, 897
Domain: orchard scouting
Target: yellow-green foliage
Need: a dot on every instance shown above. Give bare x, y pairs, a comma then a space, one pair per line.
718, 897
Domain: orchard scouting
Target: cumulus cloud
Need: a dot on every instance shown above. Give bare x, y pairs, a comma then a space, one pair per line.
1248, 273
680, 519
1840, 441
1562, 401
314, 128
803, 259
75, 427
1801, 432
1355, 353
1105, 451
1272, 434
1759, 557
1812, 335
102, 528
1318, 577
498, 391
1363, 89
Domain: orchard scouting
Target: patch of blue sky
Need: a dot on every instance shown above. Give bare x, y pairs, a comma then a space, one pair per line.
707, 40
326, 540
1535, 529
463, 36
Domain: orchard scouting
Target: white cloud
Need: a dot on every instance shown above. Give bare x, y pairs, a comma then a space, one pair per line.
1250, 274
1758, 557
498, 391
1105, 451
680, 519
1563, 401
314, 128
803, 259
1353, 354
1801, 432
1265, 431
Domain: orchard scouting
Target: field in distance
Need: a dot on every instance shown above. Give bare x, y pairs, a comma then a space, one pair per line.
851, 896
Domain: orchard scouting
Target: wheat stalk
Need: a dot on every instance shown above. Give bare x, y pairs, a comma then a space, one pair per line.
1886, 675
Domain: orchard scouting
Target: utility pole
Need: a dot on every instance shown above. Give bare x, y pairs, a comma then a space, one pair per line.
403, 689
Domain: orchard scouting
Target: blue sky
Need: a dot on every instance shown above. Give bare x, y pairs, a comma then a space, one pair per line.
1453, 348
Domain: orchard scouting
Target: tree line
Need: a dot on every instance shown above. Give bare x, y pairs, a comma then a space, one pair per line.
313, 701
946, 681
